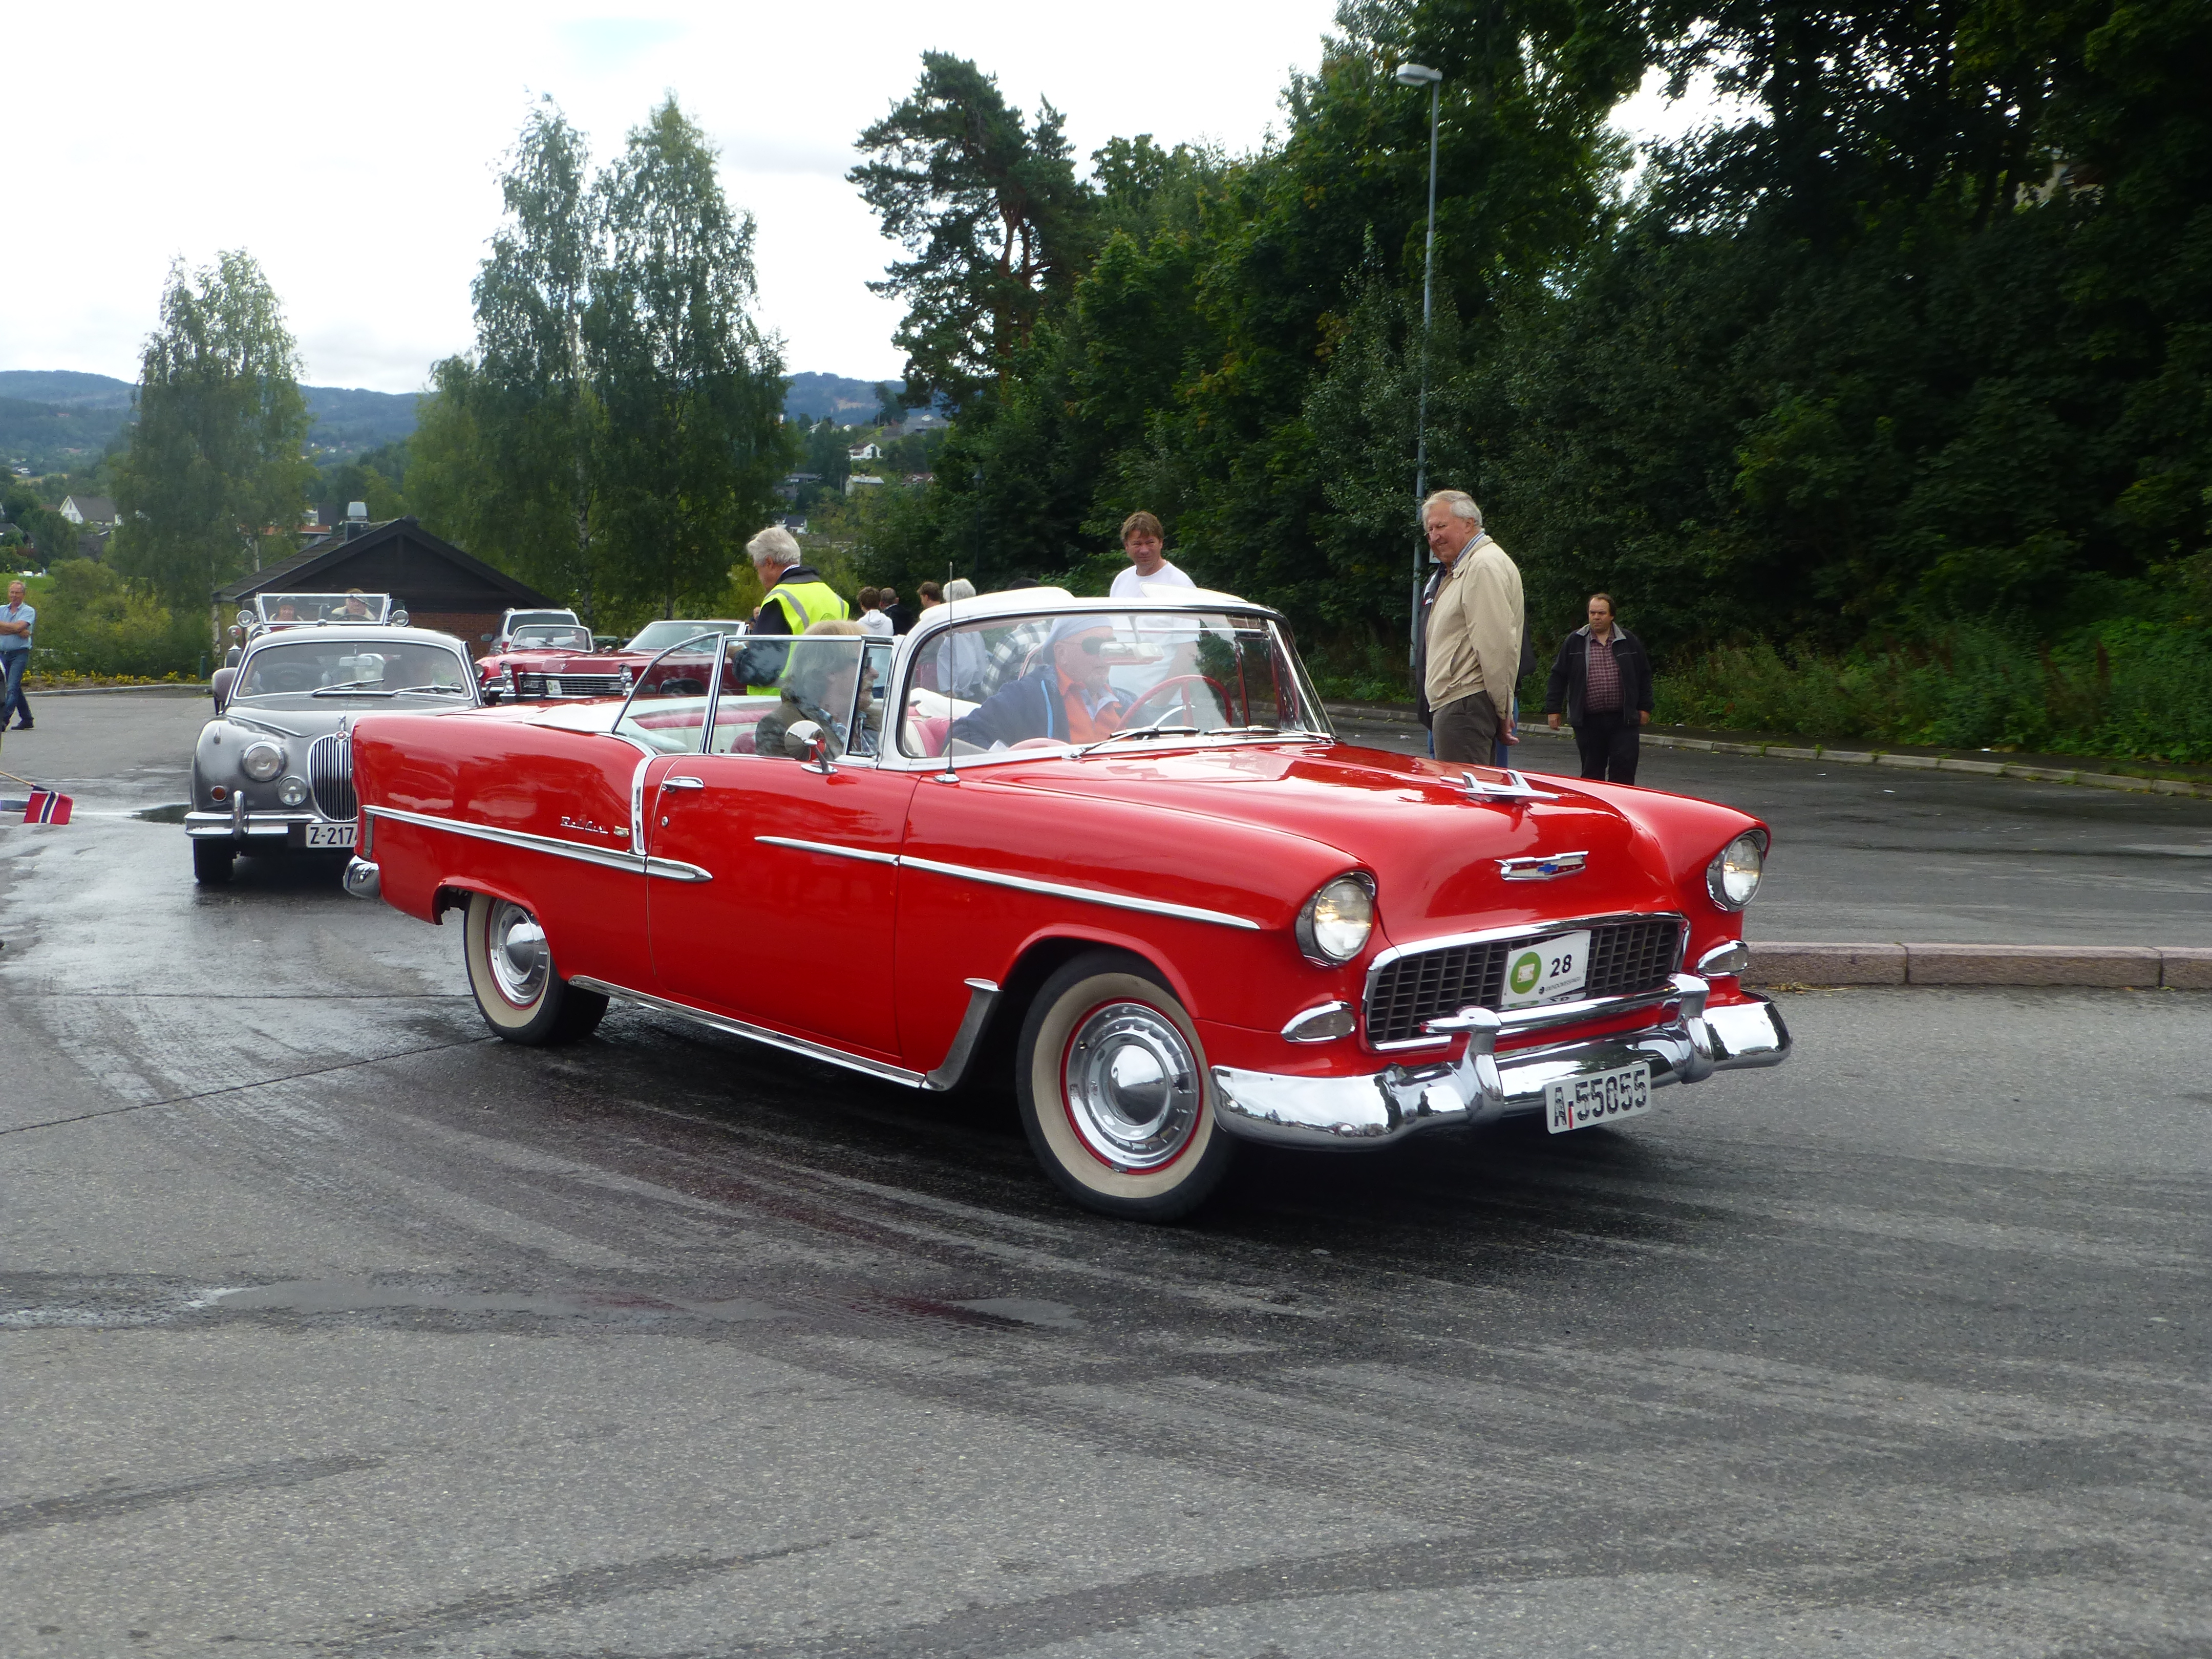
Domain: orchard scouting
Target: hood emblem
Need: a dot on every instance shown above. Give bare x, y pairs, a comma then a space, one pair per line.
1512, 786
1547, 867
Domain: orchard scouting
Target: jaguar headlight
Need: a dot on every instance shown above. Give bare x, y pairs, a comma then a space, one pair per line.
1733, 876
292, 791
261, 762
1333, 926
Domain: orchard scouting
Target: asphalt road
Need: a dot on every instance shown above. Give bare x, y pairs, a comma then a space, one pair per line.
1956, 857
329, 1324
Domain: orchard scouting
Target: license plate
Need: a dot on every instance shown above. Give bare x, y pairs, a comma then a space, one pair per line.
1580, 1103
1550, 968
328, 835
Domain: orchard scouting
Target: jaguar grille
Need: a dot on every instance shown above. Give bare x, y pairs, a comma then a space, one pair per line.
330, 776
1625, 957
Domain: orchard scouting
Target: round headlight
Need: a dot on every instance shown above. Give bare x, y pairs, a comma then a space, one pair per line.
1733, 876
261, 762
1334, 924
292, 791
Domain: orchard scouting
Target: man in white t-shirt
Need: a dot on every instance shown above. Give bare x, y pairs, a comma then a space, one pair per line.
1145, 545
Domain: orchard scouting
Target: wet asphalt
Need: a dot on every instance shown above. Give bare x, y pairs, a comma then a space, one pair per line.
329, 1324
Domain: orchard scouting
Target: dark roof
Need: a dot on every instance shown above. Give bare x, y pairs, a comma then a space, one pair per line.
97, 509
397, 556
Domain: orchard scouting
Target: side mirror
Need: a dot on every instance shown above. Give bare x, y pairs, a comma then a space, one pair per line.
219, 685
814, 744
486, 638
400, 619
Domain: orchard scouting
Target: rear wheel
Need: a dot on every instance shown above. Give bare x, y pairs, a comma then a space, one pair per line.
511, 971
1116, 1096
212, 861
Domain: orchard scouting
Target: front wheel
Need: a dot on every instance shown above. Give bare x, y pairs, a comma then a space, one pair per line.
511, 971
212, 861
1116, 1096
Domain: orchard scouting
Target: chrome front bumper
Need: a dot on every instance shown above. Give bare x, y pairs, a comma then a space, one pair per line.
362, 879
241, 825
1691, 1044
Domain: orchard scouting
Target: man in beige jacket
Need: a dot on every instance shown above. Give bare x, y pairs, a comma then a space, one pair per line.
1471, 643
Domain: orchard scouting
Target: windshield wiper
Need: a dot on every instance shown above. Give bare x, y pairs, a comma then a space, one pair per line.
454, 690
1159, 728
375, 689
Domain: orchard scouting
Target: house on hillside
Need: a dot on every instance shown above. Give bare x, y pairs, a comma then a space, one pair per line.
433, 582
89, 512
861, 481
866, 453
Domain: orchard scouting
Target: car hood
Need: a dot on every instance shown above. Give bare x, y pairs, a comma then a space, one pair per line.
1433, 847
302, 715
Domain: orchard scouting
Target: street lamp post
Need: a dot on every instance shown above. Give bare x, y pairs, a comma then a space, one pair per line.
1419, 75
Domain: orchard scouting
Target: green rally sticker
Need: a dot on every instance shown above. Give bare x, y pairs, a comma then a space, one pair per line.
1527, 968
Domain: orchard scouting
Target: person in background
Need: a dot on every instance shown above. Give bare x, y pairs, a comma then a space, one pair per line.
793, 599
17, 619
1470, 634
901, 613
962, 657
1145, 543
820, 686
931, 596
355, 608
1601, 681
871, 617
1069, 697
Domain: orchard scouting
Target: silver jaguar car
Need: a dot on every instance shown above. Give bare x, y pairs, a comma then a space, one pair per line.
273, 771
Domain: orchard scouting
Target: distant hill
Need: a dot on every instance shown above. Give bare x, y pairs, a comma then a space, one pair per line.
56, 420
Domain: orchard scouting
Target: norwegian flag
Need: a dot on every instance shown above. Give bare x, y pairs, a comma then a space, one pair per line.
45, 806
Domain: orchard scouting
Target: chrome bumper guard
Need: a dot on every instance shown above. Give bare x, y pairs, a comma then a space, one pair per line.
362, 879
1479, 1087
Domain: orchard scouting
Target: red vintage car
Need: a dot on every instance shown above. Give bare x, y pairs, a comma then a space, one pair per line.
1118, 844
546, 661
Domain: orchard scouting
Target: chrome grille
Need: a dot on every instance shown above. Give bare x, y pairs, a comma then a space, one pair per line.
1625, 957
330, 776
586, 686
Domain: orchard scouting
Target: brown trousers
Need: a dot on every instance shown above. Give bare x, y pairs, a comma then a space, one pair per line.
1467, 730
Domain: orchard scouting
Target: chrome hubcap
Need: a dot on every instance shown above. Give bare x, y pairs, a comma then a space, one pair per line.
1132, 1085
514, 945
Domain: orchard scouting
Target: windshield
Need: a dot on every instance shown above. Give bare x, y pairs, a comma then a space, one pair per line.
323, 607
1096, 677
292, 666
544, 637
776, 695
659, 636
518, 620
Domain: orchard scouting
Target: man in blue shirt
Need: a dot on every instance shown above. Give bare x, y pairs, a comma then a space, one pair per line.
17, 619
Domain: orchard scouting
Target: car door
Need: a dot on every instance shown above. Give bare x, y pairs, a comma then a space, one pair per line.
794, 930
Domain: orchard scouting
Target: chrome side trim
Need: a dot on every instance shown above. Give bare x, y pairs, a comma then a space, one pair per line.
1543, 867
670, 869
865, 854
812, 1050
1086, 895
637, 805
1375, 1109
983, 997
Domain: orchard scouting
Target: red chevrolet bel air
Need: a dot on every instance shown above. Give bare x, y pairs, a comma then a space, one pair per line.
1115, 842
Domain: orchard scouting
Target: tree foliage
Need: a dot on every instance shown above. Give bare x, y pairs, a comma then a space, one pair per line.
614, 433
1919, 341
215, 463
991, 212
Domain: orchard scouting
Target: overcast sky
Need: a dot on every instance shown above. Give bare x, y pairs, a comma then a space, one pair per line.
354, 151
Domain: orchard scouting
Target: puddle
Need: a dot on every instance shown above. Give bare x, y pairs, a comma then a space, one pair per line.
165, 814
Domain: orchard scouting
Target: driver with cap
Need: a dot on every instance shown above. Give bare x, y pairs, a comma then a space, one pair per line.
1068, 698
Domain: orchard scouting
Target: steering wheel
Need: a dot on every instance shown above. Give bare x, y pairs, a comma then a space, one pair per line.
1129, 716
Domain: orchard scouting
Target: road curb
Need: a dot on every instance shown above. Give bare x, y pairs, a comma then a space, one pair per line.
2087, 779
2142, 967
186, 688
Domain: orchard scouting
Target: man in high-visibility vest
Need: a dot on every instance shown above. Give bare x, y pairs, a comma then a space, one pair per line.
796, 597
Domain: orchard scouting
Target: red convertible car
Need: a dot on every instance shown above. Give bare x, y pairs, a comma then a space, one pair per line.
1116, 842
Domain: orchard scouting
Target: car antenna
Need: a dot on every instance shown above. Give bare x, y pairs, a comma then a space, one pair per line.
948, 775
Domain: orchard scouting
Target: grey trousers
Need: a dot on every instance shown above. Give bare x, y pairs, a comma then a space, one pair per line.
1467, 730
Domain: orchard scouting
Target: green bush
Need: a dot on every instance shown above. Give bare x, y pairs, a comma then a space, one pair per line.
2127, 688
91, 621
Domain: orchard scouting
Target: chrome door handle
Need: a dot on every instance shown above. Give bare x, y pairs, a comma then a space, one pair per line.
684, 782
